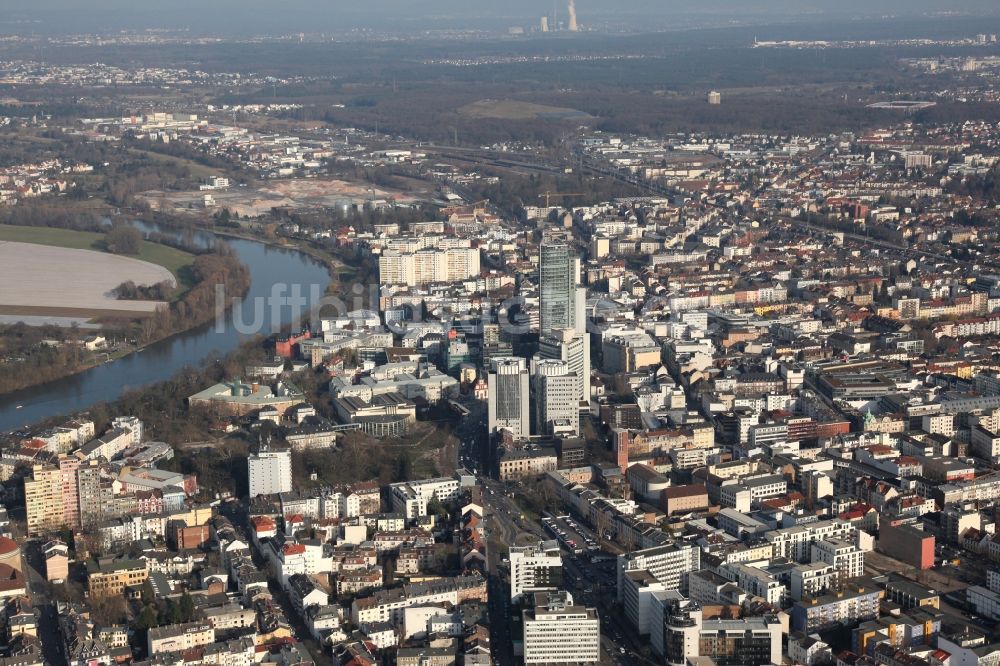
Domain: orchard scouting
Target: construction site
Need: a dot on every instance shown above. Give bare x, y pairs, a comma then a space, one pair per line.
296, 193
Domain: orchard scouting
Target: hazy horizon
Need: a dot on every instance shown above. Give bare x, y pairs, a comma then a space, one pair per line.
268, 17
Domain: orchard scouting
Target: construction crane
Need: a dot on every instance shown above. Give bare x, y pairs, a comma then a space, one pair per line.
558, 195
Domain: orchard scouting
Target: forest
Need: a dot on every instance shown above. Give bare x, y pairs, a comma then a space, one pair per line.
642, 83
37, 354
130, 291
198, 305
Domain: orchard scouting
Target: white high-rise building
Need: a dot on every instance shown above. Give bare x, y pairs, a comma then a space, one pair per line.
669, 564
535, 568
410, 498
130, 423
565, 344
509, 397
270, 471
428, 265
556, 631
557, 408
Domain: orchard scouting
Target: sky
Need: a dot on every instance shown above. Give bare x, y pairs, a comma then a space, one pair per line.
283, 16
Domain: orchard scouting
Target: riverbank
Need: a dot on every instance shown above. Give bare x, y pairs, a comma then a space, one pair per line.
269, 264
95, 360
206, 225
331, 262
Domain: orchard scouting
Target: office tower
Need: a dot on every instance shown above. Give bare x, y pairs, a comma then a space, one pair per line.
544, 26
536, 568
563, 311
558, 276
509, 397
669, 564
715, 98
270, 471
556, 631
565, 344
557, 408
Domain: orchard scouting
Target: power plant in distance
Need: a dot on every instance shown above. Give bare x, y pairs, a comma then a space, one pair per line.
545, 25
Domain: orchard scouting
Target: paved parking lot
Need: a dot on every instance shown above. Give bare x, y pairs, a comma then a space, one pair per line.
571, 535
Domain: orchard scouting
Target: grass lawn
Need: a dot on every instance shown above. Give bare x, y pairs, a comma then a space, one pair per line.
197, 170
174, 260
512, 109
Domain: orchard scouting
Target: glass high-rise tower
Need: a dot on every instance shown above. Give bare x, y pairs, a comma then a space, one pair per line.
562, 329
558, 277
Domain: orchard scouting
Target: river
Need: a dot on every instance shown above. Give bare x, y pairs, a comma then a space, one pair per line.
271, 270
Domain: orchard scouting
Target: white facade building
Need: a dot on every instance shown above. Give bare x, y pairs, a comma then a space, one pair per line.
845, 557
509, 397
427, 266
535, 568
558, 632
557, 410
270, 472
669, 564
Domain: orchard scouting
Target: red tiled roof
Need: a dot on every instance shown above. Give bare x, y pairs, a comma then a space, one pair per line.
262, 523
293, 549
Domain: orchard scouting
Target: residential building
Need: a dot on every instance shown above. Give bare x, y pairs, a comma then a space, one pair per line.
427, 266
857, 600
846, 558
520, 463
270, 471
178, 637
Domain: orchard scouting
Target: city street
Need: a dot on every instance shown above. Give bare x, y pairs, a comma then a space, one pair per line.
38, 588
591, 584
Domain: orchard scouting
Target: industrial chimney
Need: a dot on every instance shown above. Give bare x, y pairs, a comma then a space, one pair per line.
573, 27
